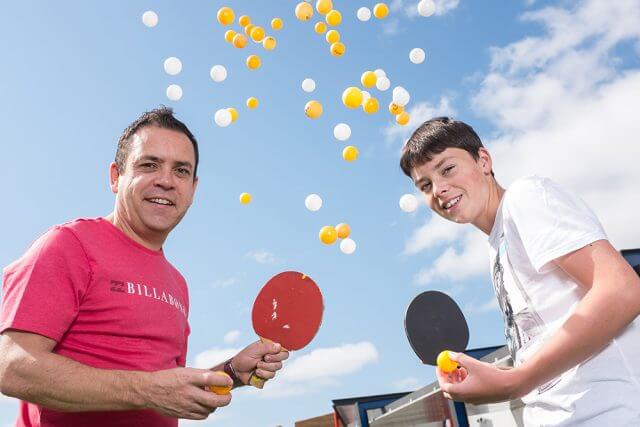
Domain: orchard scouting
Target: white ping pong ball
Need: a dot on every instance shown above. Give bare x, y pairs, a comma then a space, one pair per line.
150, 18
348, 246
174, 92
408, 203
313, 202
342, 132
172, 66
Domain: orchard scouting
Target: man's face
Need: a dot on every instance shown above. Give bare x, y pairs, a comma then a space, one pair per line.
455, 184
157, 186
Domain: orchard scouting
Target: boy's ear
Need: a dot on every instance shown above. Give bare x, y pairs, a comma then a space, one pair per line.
484, 157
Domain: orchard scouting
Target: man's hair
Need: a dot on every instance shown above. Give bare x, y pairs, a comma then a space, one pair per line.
433, 137
161, 117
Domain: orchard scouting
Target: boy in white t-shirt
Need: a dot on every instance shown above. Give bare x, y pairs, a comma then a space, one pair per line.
570, 302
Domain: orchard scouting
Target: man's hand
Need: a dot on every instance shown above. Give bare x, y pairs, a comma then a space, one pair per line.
265, 358
184, 392
479, 382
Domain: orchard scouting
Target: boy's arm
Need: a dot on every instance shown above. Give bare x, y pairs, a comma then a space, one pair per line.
612, 301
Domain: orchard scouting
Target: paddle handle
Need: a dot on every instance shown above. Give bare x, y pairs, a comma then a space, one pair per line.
255, 380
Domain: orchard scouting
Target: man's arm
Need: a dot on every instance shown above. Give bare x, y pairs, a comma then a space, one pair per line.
263, 358
31, 372
612, 302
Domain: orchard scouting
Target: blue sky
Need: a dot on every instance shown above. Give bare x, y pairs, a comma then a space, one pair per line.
551, 87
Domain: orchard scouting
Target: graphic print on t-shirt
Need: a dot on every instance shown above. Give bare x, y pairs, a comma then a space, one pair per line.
522, 323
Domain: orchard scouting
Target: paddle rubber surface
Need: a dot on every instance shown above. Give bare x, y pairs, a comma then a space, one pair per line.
288, 310
434, 323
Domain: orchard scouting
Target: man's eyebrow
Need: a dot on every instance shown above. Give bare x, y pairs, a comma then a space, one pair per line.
159, 160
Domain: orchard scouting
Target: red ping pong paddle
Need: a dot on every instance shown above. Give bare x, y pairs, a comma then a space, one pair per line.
288, 310
434, 323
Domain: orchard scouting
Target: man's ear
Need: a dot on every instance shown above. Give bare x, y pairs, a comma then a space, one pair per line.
114, 176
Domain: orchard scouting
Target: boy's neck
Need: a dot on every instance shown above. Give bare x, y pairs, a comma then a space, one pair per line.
486, 221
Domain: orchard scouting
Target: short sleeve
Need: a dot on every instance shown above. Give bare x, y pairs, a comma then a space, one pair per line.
550, 220
42, 291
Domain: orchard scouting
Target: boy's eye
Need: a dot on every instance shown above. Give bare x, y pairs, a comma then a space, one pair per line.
448, 168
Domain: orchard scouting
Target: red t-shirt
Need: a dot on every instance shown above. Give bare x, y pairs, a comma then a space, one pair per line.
108, 301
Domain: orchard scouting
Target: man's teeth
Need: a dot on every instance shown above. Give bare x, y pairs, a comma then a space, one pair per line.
450, 203
161, 201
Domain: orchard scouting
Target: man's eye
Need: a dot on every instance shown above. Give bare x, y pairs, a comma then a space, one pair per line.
183, 171
148, 165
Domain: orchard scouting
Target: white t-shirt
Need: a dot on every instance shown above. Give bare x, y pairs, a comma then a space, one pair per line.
538, 221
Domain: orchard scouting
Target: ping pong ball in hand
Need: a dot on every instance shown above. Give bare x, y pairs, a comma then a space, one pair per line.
328, 235
220, 389
445, 363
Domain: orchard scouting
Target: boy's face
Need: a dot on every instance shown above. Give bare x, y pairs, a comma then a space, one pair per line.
455, 185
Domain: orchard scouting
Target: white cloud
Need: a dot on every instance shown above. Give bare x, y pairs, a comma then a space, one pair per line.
456, 265
406, 384
436, 231
419, 113
562, 107
262, 257
213, 357
231, 337
321, 368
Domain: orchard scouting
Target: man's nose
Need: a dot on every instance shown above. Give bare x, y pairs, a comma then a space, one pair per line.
165, 178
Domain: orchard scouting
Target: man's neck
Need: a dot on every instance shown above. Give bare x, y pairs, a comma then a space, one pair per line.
149, 242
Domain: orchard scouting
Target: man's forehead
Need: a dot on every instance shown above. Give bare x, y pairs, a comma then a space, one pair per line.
161, 143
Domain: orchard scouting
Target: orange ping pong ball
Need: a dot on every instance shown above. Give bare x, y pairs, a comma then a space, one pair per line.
252, 102
350, 153
257, 34
225, 15
304, 11
234, 114
395, 109
245, 198
269, 43
368, 79
402, 118
380, 10
313, 109
445, 363
332, 36
229, 35
253, 62
220, 389
343, 230
320, 27
337, 49
239, 41
324, 6
244, 20
276, 24
333, 18
371, 105
352, 97
328, 234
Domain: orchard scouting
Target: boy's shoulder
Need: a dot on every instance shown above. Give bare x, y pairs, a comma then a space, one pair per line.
527, 188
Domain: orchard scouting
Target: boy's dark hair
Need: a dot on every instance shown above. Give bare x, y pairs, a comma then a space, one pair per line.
161, 117
433, 137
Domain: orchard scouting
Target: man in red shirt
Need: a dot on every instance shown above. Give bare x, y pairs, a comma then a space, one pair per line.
94, 318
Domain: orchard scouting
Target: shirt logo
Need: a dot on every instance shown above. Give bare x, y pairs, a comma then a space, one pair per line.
145, 291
